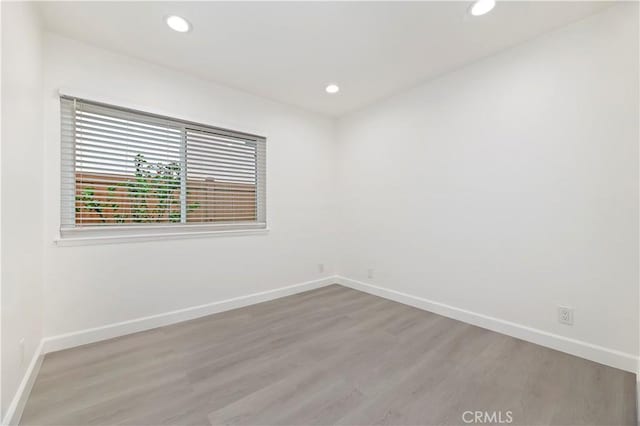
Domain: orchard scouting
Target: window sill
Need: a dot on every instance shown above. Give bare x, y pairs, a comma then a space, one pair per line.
145, 237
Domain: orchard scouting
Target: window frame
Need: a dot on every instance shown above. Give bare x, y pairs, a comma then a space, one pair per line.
71, 234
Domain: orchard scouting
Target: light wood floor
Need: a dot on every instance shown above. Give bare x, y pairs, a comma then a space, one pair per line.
328, 356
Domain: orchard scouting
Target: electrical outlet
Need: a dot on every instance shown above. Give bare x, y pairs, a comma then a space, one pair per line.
565, 315
370, 274
21, 349
321, 267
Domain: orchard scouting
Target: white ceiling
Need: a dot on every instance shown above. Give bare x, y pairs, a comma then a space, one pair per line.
289, 51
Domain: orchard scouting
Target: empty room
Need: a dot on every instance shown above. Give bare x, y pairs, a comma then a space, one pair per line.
320, 213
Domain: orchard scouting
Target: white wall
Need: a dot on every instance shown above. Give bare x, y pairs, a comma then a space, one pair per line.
22, 196
90, 286
508, 187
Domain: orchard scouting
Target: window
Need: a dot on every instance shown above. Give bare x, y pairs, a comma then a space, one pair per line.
125, 170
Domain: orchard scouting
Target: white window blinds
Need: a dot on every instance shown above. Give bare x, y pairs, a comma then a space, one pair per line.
124, 169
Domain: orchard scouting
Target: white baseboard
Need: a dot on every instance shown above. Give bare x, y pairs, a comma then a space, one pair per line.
600, 354
575, 347
14, 412
83, 337
91, 335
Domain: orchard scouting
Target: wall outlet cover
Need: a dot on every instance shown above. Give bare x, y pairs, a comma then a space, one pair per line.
565, 315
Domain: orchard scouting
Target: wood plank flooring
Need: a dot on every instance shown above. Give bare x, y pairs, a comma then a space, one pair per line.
331, 356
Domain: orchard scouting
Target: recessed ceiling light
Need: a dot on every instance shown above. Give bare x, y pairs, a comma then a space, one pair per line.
178, 24
332, 88
480, 7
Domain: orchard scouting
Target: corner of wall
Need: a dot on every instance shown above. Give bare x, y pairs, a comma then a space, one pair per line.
21, 272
